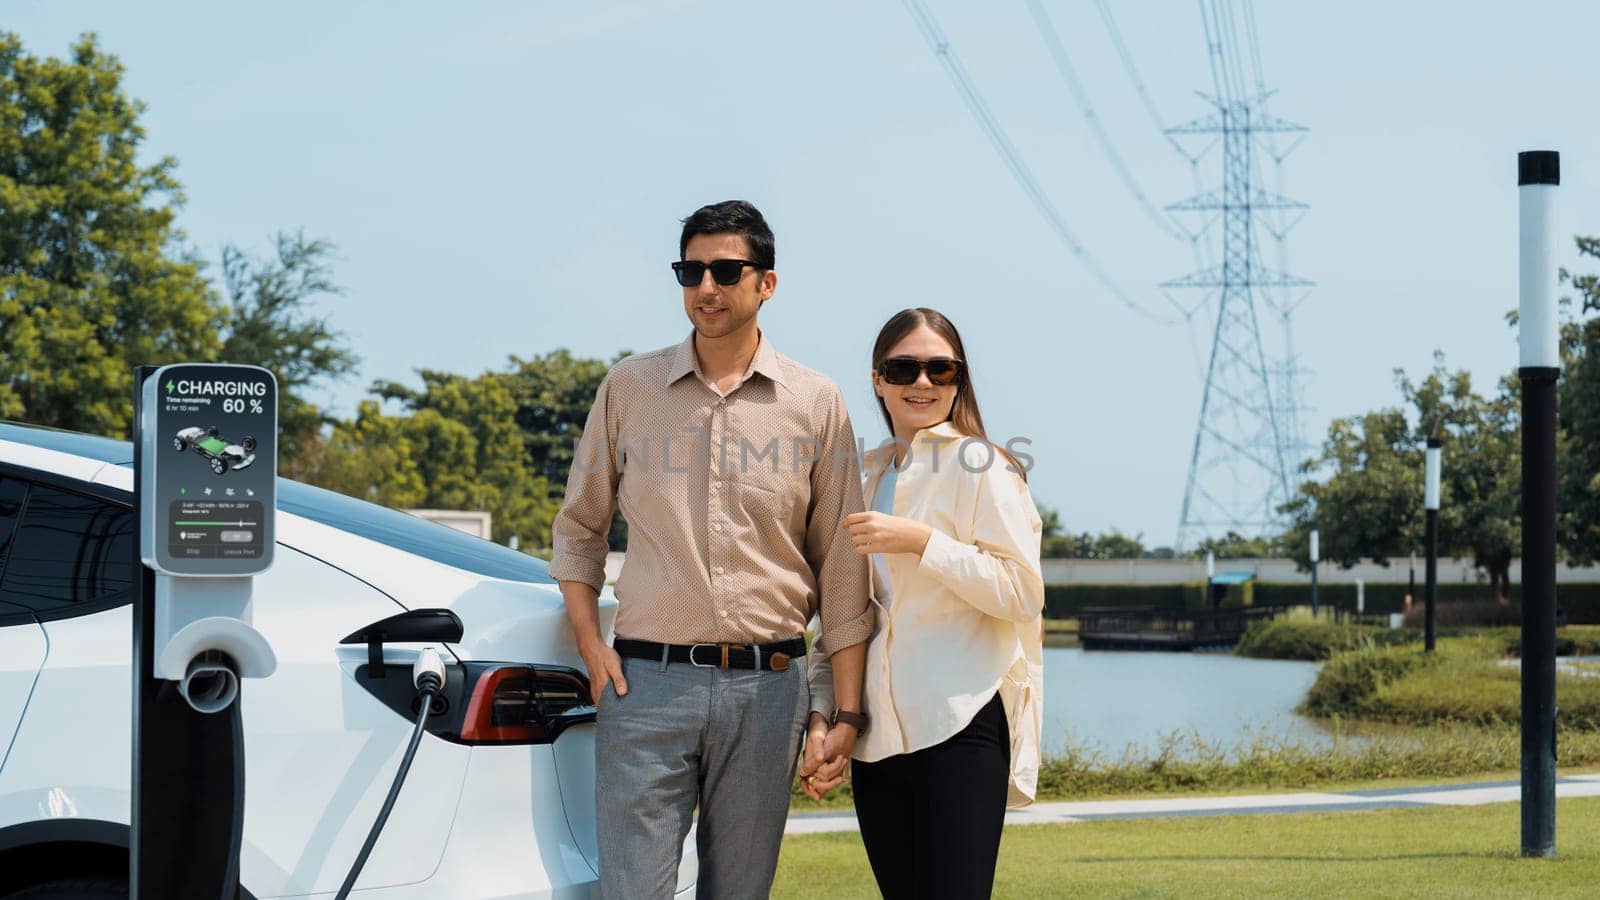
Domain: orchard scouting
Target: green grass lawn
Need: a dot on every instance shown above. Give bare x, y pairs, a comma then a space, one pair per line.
1425, 853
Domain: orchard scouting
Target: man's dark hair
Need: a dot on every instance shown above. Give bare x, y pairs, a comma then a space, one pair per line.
732, 217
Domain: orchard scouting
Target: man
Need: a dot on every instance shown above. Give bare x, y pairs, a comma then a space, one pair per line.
735, 467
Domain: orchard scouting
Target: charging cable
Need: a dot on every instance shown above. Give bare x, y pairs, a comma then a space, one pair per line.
428, 676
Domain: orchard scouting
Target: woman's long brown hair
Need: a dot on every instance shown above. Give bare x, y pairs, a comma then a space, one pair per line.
964, 413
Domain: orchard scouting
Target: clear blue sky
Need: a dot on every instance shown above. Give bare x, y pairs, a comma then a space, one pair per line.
507, 178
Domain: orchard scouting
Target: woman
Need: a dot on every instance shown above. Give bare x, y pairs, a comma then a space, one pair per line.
954, 676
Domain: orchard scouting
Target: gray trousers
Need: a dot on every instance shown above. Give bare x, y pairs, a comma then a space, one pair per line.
725, 740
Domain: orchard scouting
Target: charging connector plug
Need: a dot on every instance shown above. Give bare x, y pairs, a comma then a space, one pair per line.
428, 673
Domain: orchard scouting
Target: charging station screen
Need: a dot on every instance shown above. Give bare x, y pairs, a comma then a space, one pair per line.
209, 468
213, 529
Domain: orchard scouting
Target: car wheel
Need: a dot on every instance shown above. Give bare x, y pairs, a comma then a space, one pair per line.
76, 889
249, 444
218, 466
180, 444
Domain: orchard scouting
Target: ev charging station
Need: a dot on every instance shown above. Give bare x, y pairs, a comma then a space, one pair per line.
205, 475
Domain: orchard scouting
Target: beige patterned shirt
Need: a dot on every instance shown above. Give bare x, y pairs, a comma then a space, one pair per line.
734, 502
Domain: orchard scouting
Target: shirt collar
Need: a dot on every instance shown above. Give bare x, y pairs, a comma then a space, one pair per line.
945, 429
881, 457
765, 362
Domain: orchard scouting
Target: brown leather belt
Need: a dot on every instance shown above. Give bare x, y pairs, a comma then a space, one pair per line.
771, 657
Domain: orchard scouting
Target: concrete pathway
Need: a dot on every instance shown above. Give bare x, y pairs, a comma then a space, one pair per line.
1469, 794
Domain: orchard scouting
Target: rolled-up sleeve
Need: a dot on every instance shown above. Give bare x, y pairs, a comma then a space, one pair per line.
841, 574
580, 528
819, 675
999, 573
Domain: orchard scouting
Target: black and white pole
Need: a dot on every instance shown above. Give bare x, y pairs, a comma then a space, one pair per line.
1211, 573
1315, 555
1538, 179
1411, 587
1430, 501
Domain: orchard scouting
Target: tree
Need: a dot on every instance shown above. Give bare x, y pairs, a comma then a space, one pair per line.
91, 280
1058, 545
1481, 467
1370, 507
371, 457
1370, 504
94, 279
1579, 488
268, 325
553, 393
1234, 545
460, 439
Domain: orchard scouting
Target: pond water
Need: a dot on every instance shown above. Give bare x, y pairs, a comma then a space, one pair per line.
1106, 700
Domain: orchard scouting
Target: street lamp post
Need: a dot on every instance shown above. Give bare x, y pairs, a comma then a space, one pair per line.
1430, 492
1538, 179
1211, 572
1411, 587
1314, 557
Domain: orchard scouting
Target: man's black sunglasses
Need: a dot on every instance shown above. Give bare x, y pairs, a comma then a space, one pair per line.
723, 271
903, 370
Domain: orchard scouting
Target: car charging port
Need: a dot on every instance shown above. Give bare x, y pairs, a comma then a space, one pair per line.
438, 706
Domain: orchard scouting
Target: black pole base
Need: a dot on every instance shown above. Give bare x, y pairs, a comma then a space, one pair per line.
1538, 611
1430, 621
189, 821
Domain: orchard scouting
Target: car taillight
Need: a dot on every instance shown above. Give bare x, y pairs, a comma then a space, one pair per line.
525, 705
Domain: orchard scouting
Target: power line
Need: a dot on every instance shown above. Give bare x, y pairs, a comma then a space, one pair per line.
1020, 172
1255, 47
1058, 54
1133, 76
1204, 257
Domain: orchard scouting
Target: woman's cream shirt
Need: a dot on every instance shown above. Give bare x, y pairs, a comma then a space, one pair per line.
966, 618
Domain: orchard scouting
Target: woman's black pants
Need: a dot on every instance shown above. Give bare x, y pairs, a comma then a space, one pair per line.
931, 820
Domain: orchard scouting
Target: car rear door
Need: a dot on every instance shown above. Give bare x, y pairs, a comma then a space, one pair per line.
22, 641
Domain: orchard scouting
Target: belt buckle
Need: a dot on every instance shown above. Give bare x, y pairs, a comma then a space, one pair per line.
696, 663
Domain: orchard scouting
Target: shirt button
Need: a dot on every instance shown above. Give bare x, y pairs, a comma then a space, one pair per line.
724, 614
717, 527
719, 570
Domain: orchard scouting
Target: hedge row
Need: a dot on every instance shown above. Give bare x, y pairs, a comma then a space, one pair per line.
1062, 601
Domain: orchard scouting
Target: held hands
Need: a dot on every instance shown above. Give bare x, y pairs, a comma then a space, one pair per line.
874, 532
827, 753
605, 666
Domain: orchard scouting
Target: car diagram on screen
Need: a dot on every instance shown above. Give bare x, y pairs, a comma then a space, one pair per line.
223, 455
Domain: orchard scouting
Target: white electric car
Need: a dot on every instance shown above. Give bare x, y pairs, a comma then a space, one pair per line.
499, 801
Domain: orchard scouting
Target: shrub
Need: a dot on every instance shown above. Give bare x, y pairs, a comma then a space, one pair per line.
1349, 679
1186, 762
1289, 637
1468, 614
1466, 682
1573, 640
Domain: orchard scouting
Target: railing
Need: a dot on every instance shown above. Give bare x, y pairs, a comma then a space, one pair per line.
1167, 629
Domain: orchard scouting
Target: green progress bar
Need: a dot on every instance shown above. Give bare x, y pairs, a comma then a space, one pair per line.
199, 523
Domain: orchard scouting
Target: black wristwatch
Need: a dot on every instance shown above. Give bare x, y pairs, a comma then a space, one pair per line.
859, 720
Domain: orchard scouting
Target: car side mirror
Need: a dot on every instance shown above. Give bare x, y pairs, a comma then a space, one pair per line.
417, 625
